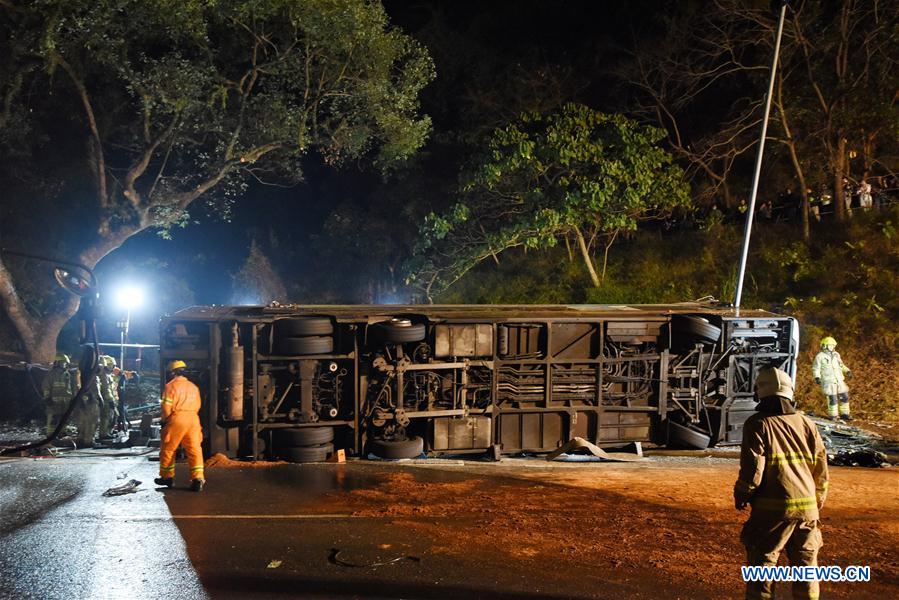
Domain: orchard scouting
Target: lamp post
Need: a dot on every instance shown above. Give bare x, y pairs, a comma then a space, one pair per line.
750, 213
128, 298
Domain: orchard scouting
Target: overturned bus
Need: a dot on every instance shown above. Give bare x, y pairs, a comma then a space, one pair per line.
300, 382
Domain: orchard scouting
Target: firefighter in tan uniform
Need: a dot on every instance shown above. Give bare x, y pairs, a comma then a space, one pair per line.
783, 476
181, 426
58, 387
109, 394
831, 374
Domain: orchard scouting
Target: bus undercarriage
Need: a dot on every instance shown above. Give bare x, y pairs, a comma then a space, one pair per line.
300, 382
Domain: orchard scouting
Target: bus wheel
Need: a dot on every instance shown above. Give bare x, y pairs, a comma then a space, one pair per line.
683, 436
410, 448
293, 346
302, 454
695, 327
398, 331
303, 436
300, 326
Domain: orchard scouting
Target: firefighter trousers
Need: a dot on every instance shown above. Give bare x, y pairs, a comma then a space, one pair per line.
764, 540
56, 408
182, 429
86, 417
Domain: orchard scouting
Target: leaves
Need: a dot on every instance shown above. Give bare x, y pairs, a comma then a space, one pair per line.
543, 178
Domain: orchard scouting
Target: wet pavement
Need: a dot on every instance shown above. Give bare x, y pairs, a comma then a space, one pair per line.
428, 529
254, 532
60, 538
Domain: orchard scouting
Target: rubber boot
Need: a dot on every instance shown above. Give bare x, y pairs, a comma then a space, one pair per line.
166, 481
197, 485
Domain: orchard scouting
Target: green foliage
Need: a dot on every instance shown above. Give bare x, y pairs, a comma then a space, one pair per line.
576, 172
215, 92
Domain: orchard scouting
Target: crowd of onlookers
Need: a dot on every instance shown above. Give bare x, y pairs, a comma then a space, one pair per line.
867, 194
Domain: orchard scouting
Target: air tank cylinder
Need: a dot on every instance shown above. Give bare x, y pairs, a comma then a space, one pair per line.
234, 361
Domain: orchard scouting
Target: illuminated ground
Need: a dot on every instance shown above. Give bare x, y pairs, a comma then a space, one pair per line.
518, 529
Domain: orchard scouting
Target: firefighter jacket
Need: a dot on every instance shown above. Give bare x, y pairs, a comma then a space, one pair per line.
783, 464
829, 368
180, 395
94, 394
59, 385
108, 388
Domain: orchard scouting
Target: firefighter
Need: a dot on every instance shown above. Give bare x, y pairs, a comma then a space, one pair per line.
783, 477
181, 426
58, 387
831, 374
87, 413
109, 395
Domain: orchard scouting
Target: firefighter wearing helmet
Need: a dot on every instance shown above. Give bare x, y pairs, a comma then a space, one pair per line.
831, 374
181, 427
60, 384
784, 479
109, 395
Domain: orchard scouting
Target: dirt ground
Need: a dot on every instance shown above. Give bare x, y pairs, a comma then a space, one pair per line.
667, 524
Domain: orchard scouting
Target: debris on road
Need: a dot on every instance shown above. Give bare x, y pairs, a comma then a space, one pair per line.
219, 460
274, 564
858, 458
130, 487
334, 559
851, 446
566, 452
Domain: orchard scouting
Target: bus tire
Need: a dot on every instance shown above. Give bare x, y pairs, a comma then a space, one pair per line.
294, 346
301, 326
410, 448
303, 436
695, 327
304, 454
393, 333
683, 436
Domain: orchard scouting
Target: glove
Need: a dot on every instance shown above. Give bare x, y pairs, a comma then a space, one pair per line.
818, 380
848, 374
740, 504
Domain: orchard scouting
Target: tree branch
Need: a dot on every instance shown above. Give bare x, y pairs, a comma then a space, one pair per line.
92, 124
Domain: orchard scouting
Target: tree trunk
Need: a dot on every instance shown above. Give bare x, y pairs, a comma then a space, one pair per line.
839, 172
605, 255
37, 334
585, 254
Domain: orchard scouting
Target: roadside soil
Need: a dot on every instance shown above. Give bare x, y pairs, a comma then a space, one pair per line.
666, 525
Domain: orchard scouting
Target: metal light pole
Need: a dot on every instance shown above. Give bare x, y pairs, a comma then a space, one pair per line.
128, 298
750, 213
124, 337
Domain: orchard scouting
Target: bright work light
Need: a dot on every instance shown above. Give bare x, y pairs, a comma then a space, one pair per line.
130, 297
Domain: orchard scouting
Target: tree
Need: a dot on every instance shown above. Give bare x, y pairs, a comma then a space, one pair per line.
835, 94
257, 282
576, 175
181, 101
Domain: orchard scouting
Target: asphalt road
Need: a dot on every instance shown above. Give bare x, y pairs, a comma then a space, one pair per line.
60, 538
254, 532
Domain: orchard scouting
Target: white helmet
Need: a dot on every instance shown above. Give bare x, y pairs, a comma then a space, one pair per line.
773, 382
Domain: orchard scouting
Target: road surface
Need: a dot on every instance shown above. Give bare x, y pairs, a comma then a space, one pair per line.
433, 529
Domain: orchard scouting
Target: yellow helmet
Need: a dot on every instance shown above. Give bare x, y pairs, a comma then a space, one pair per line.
177, 364
828, 341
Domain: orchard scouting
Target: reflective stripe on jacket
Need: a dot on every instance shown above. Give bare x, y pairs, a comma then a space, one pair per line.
58, 384
829, 368
783, 467
180, 394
